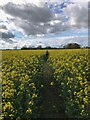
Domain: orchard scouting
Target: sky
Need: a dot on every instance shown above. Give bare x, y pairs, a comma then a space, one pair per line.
43, 22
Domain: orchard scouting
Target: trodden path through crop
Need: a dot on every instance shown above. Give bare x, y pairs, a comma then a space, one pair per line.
53, 104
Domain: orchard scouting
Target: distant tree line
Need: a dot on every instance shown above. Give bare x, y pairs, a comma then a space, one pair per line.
72, 46
67, 46
39, 47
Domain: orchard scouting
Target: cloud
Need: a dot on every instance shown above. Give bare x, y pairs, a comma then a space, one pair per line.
3, 27
34, 19
80, 1
29, 12
36, 2
77, 14
30, 17
9, 41
7, 35
55, 42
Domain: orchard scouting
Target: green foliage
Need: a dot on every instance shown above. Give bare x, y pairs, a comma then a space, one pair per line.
72, 46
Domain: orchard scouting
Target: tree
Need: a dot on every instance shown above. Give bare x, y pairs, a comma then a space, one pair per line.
72, 46
48, 47
39, 47
24, 47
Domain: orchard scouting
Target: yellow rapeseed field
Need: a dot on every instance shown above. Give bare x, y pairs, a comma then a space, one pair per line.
22, 82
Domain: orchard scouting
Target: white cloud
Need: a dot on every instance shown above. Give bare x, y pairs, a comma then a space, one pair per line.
41, 20
78, 15
80, 0
4, 16
37, 2
31, 17
55, 42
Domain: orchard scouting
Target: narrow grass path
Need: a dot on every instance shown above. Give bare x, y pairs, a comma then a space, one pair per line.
52, 106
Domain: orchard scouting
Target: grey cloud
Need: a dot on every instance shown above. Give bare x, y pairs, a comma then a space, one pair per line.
59, 27
7, 35
89, 16
36, 20
31, 18
3, 27
29, 12
78, 14
32, 29
9, 41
